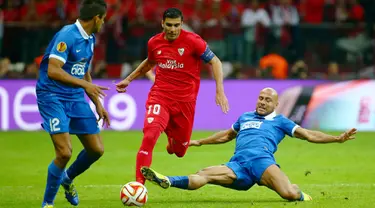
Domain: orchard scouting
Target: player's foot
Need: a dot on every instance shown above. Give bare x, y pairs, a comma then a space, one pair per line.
306, 197
156, 177
45, 205
169, 149
70, 193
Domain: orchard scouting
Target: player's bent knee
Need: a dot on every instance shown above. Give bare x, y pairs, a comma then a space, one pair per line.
64, 155
97, 151
181, 153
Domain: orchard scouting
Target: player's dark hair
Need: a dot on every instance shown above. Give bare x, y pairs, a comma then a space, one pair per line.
91, 8
173, 13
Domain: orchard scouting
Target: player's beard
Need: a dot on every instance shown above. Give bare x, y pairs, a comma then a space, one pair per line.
95, 29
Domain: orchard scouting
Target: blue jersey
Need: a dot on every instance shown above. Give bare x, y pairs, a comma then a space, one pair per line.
75, 48
257, 132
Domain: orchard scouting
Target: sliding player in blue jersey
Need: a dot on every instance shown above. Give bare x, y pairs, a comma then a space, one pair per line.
63, 80
257, 135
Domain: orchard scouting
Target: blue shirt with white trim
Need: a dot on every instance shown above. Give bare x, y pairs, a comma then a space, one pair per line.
75, 48
256, 132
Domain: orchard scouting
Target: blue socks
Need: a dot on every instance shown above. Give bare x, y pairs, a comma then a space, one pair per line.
181, 182
53, 182
80, 165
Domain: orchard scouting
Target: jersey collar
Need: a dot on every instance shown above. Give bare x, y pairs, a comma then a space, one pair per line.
82, 31
269, 116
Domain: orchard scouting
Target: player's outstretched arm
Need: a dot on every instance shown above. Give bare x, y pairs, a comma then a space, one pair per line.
320, 137
141, 70
217, 138
217, 70
56, 73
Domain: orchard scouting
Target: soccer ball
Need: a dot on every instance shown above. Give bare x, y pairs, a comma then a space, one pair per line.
134, 194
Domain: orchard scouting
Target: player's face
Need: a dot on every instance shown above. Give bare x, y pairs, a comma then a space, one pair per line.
267, 103
98, 23
172, 28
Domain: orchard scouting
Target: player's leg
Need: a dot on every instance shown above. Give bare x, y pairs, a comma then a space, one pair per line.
178, 138
156, 120
93, 150
56, 168
276, 180
56, 123
180, 128
218, 175
83, 124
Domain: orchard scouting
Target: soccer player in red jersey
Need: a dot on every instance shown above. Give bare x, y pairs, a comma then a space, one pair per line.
177, 55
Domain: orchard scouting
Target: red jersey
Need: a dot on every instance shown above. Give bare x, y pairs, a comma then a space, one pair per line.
177, 65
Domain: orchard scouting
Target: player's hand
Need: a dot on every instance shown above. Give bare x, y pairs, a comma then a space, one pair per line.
222, 100
348, 135
195, 143
121, 86
103, 114
95, 90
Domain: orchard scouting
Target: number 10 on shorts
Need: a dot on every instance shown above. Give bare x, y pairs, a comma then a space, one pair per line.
154, 109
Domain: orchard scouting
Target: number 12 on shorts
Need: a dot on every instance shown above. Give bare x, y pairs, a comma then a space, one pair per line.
53, 124
154, 109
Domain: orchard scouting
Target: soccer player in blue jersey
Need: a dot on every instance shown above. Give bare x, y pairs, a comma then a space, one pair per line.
63, 80
257, 135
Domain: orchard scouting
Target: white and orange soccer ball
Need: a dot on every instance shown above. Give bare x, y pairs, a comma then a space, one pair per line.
134, 194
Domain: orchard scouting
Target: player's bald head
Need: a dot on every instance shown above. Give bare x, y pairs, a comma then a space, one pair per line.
272, 92
267, 101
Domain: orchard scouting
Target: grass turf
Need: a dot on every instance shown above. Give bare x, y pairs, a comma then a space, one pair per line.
335, 175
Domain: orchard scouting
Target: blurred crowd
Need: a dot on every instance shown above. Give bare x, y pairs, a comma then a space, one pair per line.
270, 39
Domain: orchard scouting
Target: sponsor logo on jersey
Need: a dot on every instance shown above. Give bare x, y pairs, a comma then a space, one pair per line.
78, 69
251, 125
171, 64
61, 47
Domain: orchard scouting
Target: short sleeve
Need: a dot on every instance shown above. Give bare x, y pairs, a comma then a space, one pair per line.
202, 49
61, 46
200, 45
150, 54
288, 126
236, 126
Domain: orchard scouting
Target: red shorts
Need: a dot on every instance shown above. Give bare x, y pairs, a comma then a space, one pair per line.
174, 118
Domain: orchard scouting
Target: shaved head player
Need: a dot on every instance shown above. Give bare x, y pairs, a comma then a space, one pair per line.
257, 135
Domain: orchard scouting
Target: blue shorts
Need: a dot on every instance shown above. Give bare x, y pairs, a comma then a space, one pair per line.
248, 172
74, 117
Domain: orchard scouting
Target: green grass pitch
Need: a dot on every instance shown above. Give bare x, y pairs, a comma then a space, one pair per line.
335, 175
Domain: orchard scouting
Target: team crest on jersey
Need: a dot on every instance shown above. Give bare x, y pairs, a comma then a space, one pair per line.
61, 47
150, 119
181, 51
